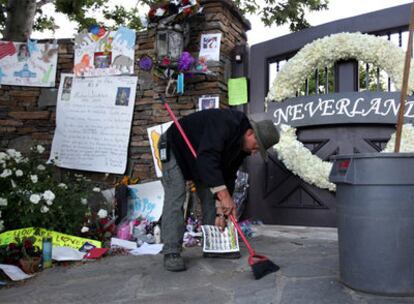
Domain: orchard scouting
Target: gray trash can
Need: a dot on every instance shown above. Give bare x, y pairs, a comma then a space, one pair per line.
375, 217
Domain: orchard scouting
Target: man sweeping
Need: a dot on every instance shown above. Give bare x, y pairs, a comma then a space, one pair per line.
222, 139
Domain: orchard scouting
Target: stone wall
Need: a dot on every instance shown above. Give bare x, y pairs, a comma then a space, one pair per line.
27, 115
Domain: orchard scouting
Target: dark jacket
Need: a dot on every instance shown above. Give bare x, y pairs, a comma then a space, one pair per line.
216, 135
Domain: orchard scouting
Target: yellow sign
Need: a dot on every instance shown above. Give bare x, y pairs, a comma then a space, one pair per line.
58, 239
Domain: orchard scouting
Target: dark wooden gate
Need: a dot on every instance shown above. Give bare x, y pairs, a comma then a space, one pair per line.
276, 196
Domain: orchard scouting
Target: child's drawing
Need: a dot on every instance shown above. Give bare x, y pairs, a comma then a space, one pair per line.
28, 63
99, 52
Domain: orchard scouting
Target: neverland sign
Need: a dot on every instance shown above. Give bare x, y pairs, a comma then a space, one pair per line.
340, 108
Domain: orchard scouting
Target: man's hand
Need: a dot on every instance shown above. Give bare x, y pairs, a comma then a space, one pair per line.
226, 203
221, 220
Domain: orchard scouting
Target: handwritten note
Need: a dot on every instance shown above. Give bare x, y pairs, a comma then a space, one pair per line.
93, 123
146, 201
237, 88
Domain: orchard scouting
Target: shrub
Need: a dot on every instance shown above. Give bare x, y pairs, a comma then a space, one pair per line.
31, 194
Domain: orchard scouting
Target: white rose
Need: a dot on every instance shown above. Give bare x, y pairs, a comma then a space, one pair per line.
19, 173
63, 186
44, 209
6, 173
3, 201
11, 152
49, 203
102, 213
96, 189
34, 178
84, 201
48, 195
41, 168
40, 149
35, 198
84, 229
3, 156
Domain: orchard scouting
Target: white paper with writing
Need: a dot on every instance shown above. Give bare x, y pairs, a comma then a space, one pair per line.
93, 123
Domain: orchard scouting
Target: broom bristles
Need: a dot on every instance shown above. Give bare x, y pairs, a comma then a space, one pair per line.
264, 267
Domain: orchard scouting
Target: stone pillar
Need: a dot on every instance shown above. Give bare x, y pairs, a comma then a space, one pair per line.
218, 16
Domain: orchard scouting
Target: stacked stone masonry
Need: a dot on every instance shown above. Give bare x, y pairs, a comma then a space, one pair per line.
26, 118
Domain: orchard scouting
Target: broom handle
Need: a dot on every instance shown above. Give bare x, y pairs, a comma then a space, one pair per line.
406, 76
249, 247
190, 146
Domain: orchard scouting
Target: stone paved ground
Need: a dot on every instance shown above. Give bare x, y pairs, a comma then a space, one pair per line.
309, 274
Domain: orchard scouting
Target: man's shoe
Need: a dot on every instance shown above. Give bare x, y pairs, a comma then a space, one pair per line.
222, 255
174, 262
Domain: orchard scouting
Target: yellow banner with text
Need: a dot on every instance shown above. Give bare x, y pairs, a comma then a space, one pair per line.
58, 239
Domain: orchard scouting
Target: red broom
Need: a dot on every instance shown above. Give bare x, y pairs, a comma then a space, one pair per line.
260, 264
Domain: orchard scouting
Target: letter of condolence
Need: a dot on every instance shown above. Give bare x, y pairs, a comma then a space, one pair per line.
93, 123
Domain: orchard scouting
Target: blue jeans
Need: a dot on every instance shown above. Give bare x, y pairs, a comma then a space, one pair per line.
172, 221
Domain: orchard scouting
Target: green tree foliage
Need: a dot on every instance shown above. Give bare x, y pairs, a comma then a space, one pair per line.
279, 12
272, 12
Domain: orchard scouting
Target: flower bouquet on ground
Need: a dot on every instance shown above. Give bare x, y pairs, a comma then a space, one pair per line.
23, 254
99, 226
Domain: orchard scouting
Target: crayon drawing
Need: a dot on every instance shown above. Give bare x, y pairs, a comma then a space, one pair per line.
28, 63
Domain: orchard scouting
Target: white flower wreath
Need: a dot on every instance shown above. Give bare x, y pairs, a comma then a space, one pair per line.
324, 53
313, 170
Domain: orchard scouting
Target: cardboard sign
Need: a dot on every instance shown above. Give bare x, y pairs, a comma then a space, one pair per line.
58, 239
154, 134
28, 64
93, 123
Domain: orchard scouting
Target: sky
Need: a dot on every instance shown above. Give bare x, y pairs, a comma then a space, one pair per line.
338, 9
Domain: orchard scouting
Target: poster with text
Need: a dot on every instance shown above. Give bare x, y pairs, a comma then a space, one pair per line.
154, 134
93, 123
99, 52
146, 201
210, 46
28, 63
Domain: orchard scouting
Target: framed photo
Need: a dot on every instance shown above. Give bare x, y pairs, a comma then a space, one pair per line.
67, 88
208, 102
102, 60
122, 96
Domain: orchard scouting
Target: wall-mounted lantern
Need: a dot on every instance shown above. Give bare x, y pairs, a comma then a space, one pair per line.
169, 42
